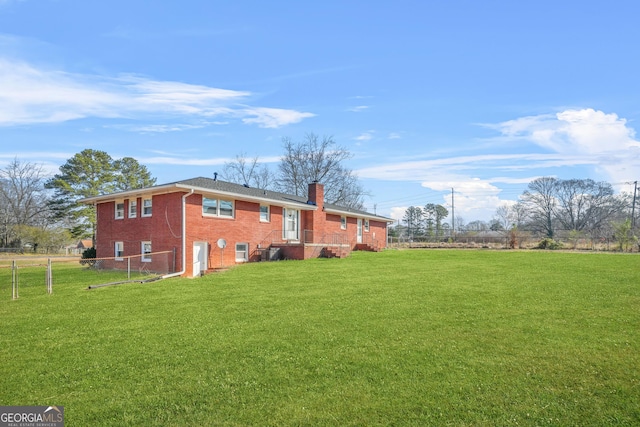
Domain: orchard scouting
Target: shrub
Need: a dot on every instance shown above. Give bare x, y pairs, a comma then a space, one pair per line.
549, 243
88, 257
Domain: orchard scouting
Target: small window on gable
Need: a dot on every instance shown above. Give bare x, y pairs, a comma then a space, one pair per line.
120, 210
133, 208
366, 225
119, 250
242, 252
343, 222
264, 213
147, 207
146, 251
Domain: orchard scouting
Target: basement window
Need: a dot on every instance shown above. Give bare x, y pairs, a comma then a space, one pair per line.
146, 252
119, 251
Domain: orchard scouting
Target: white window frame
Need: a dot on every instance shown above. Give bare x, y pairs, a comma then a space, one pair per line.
366, 225
119, 212
221, 207
133, 203
343, 222
147, 208
265, 216
244, 253
222, 202
118, 251
146, 255
209, 204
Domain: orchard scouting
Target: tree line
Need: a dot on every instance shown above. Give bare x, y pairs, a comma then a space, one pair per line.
550, 208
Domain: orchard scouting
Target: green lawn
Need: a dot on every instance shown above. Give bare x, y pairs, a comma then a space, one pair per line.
440, 337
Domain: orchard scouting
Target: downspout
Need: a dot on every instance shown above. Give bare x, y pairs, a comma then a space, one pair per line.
184, 237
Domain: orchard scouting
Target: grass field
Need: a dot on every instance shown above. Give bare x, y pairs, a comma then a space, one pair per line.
439, 337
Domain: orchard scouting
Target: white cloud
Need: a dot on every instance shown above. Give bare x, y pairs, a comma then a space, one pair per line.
358, 109
273, 117
397, 213
33, 95
592, 137
365, 136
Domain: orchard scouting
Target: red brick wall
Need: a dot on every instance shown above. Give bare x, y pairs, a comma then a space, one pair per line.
163, 228
245, 227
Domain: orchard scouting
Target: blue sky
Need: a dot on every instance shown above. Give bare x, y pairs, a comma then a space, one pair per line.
428, 96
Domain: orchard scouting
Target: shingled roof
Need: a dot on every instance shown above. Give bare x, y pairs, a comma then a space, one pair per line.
237, 191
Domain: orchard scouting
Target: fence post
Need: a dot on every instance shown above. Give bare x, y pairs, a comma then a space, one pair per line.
14, 280
128, 268
49, 277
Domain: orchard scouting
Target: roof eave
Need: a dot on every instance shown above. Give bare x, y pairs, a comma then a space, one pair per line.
358, 215
171, 188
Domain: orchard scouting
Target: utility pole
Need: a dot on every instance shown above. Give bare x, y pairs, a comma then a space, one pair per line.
633, 205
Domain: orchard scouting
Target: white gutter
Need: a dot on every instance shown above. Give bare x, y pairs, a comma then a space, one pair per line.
184, 237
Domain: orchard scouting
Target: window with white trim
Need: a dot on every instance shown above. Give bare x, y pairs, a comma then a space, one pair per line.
242, 252
147, 207
145, 250
119, 250
264, 213
133, 208
343, 222
120, 209
366, 225
217, 207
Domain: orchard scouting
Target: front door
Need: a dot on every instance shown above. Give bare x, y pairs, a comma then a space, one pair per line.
359, 233
199, 258
290, 226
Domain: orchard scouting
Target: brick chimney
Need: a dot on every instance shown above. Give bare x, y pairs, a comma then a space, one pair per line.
316, 194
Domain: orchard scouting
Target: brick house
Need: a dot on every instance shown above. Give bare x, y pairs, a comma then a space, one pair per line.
208, 223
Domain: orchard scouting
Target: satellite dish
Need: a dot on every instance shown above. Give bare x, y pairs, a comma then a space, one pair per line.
222, 243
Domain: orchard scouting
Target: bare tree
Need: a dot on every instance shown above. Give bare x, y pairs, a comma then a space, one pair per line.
320, 160
510, 215
584, 205
23, 199
248, 171
540, 199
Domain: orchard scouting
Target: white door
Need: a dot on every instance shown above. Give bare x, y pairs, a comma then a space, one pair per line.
290, 226
199, 258
359, 233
